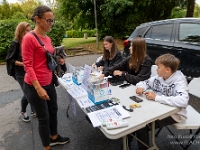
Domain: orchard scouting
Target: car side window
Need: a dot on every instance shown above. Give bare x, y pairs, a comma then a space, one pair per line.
160, 32
141, 31
189, 32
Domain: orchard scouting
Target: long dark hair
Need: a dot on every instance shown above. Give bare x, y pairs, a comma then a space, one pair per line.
138, 53
106, 54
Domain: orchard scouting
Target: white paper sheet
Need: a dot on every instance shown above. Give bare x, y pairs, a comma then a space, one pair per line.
77, 92
85, 102
97, 117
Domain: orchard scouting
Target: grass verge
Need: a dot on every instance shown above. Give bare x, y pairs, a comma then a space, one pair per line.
87, 45
74, 42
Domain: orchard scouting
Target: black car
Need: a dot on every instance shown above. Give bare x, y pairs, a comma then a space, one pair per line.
180, 37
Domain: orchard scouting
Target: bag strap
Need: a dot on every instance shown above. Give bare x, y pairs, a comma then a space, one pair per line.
41, 43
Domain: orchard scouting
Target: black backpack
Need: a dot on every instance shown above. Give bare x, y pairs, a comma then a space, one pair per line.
12, 52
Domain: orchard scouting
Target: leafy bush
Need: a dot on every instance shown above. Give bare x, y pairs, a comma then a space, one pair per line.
19, 15
57, 33
80, 34
7, 29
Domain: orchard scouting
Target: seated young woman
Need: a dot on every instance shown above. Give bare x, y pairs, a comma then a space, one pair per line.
111, 56
136, 67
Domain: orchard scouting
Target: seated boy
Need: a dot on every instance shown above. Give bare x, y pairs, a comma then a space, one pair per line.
169, 87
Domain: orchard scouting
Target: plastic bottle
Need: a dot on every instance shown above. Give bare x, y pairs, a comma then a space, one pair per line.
95, 68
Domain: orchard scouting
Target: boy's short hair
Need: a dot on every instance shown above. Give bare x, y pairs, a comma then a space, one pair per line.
168, 60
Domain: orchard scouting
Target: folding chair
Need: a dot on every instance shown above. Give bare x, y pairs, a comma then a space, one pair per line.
193, 121
153, 70
99, 58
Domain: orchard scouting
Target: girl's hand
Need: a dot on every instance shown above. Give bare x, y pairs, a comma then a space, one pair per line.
117, 73
100, 68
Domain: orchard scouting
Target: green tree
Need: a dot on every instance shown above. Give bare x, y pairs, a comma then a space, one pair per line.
18, 15
197, 11
190, 8
28, 7
15, 9
117, 17
178, 12
5, 10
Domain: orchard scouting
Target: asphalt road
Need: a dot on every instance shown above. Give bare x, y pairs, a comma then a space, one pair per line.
16, 134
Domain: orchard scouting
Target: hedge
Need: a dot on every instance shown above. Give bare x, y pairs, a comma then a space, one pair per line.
80, 34
7, 29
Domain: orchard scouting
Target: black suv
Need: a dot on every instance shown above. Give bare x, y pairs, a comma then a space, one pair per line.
180, 37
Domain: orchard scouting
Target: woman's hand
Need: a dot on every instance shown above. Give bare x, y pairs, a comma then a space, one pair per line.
139, 91
93, 65
61, 61
43, 94
100, 68
117, 73
40, 90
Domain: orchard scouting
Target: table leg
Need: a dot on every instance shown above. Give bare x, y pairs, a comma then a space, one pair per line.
154, 147
124, 142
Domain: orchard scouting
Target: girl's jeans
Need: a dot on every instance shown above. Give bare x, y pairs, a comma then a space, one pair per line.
24, 101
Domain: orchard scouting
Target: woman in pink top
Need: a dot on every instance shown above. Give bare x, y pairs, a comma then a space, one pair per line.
38, 86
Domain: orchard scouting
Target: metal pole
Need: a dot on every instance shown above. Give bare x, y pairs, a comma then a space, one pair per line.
95, 16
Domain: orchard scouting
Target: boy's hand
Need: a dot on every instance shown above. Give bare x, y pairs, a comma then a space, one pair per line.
139, 91
150, 95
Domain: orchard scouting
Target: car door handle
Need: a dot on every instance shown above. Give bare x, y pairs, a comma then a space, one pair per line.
180, 50
198, 55
166, 47
151, 45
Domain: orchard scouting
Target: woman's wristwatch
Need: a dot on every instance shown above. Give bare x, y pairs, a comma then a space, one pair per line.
124, 73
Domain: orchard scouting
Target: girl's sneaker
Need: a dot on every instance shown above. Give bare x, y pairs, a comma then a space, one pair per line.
33, 114
25, 117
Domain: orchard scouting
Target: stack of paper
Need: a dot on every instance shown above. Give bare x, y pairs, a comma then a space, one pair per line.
97, 117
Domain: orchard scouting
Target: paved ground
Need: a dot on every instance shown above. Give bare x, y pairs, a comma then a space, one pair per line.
15, 134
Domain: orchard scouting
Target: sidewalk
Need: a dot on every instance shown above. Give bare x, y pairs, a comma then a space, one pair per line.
16, 134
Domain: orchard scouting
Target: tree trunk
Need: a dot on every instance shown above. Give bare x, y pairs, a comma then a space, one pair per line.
190, 8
